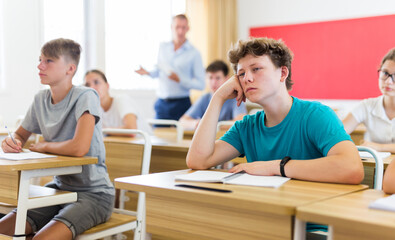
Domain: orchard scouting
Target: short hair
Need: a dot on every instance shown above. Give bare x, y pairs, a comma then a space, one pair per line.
180, 16
217, 66
67, 48
97, 71
389, 56
276, 50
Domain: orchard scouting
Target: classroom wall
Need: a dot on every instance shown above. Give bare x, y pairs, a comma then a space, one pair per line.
20, 52
261, 13
22, 43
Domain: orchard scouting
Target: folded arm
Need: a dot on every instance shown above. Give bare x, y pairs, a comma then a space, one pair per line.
204, 151
341, 165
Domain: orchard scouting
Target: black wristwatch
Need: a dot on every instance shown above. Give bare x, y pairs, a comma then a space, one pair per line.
282, 165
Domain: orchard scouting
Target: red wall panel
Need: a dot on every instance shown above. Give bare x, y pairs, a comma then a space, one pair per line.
335, 59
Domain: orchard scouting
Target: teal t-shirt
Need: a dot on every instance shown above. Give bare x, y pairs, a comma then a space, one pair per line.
309, 131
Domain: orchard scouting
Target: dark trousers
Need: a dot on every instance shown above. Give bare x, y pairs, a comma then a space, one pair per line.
171, 108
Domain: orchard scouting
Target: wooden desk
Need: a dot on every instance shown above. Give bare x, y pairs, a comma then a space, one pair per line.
166, 155
188, 134
358, 134
350, 216
15, 182
246, 213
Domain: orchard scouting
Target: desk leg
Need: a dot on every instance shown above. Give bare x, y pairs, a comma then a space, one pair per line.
299, 230
140, 231
23, 197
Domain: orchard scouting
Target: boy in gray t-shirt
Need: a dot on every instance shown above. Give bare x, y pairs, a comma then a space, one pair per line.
67, 116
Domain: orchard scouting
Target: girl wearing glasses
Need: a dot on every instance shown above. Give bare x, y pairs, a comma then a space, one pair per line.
378, 114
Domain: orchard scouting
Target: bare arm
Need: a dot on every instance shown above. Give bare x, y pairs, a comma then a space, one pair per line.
381, 147
20, 136
389, 179
350, 123
78, 146
341, 165
204, 151
129, 122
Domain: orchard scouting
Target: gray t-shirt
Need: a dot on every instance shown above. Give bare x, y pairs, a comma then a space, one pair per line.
57, 123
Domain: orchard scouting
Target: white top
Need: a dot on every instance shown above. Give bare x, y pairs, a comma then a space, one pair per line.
380, 128
120, 107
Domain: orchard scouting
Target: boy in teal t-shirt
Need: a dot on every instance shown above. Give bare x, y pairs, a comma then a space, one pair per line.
301, 134
287, 131
290, 137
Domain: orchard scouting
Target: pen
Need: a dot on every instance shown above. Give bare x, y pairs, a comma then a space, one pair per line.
9, 134
232, 176
204, 188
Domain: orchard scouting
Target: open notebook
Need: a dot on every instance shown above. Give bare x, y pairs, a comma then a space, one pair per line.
386, 203
233, 178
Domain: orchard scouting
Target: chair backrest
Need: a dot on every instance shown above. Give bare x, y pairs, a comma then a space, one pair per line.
163, 131
379, 168
147, 145
145, 165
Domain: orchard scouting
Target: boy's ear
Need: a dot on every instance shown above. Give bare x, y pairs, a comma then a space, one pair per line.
284, 73
72, 69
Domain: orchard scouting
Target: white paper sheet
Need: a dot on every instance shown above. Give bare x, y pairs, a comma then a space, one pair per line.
203, 176
386, 203
259, 181
24, 155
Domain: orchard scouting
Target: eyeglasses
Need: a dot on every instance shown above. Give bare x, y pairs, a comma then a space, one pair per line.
383, 75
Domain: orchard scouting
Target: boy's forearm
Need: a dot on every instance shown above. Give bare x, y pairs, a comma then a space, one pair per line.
203, 142
22, 135
69, 148
389, 147
336, 169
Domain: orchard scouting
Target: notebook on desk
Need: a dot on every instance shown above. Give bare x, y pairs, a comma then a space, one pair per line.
233, 178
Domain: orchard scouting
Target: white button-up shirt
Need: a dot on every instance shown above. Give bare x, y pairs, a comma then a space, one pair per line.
380, 128
186, 62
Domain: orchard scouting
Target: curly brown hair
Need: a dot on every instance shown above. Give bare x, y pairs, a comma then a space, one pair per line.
278, 52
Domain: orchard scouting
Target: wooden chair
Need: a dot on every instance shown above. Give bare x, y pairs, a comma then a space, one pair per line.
300, 226
164, 132
123, 220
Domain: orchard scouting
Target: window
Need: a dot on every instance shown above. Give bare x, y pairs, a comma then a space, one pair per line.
133, 32
2, 81
65, 19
